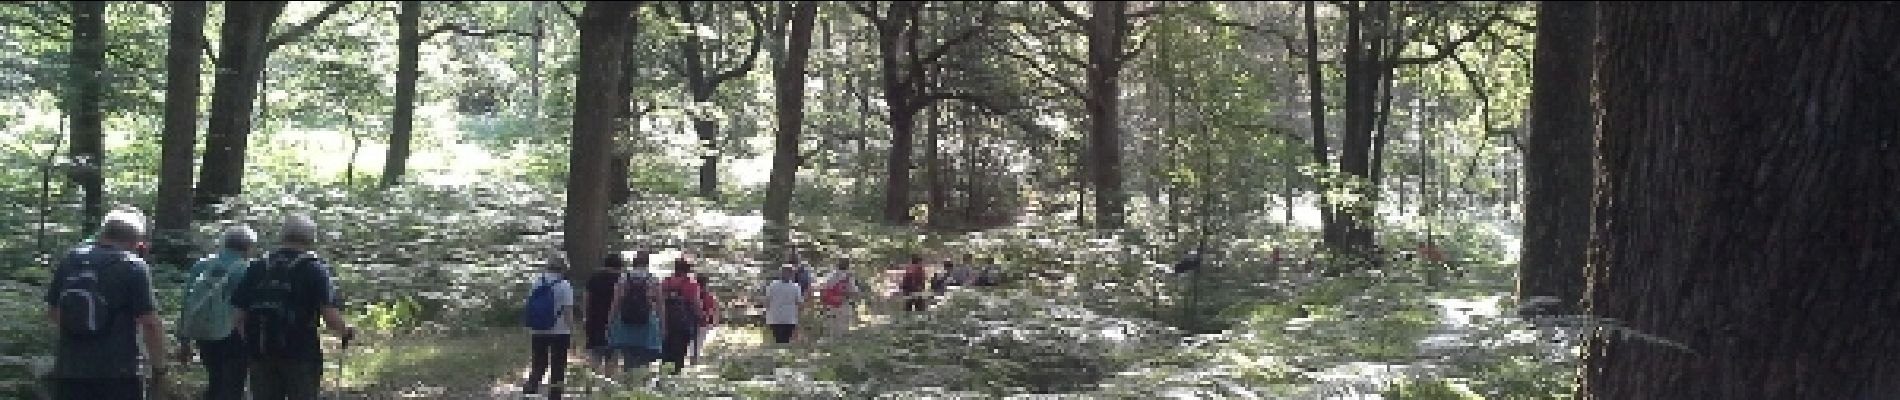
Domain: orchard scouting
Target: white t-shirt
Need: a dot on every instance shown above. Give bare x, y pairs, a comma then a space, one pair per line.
781, 302
563, 301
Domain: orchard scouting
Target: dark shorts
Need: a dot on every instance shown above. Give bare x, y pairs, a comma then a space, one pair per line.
782, 333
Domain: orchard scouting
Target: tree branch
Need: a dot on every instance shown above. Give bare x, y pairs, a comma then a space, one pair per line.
973, 32
1045, 73
752, 55
569, 10
1066, 12
464, 31
1447, 50
1155, 11
297, 32
869, 11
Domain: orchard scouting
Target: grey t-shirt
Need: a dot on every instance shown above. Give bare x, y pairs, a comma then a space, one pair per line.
125, 284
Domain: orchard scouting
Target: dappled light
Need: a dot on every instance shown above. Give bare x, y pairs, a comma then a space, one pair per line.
948, 199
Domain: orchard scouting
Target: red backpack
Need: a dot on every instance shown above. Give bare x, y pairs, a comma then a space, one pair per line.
833, 295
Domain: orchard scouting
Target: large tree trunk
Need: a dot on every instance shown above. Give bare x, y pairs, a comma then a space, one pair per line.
408, 56
1363, 70
605, 32
172, 215
1745, 209
898, 98
240, 66
620, 171
1557, 156
700, 87
87, 82
789, 82
1107, 34
935, 197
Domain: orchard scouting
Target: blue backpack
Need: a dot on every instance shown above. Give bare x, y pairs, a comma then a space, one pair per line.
542, 313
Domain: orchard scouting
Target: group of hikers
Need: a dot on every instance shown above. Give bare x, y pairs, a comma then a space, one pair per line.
253, 321
632, 317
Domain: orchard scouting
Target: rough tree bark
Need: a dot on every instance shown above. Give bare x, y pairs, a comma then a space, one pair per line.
1107, 29
603, 46
408, 56
244, 45
172, 215
788, 80
1557, 157
1747, 179
87, 82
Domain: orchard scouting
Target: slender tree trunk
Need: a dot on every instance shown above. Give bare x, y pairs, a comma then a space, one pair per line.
1557, 158
1745, 202
88, 83
408, 56
1108, 34
172, 216
698, 85
241, 56
789, 81
605, 32
1328, 220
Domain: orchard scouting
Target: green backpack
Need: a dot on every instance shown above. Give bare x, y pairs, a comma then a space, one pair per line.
207, 311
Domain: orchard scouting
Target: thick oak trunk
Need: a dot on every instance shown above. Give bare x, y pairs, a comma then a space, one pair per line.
172, 215
788, 80
1108, 35
87, 82
1747, 184
240, 67
1557, 157
603, 46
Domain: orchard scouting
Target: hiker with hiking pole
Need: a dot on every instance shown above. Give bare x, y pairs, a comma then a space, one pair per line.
278, 305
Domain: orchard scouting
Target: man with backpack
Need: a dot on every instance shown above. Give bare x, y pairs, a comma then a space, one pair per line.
100, 302
208, 319
679, 314
911, 286
839, 297
550, 303
278, 304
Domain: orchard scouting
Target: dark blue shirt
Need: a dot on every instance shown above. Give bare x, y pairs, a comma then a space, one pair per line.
310, 291
125, 284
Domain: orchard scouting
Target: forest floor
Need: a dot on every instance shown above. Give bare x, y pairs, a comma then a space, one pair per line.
492, 364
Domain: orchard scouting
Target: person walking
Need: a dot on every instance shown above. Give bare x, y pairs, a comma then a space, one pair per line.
100, 302
679, 314
278, 304
840, 295
207, 318
782, 300
550, 303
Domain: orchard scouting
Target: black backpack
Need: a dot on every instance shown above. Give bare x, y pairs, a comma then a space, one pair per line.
682, 312
83, 311
271, 317
635, 307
